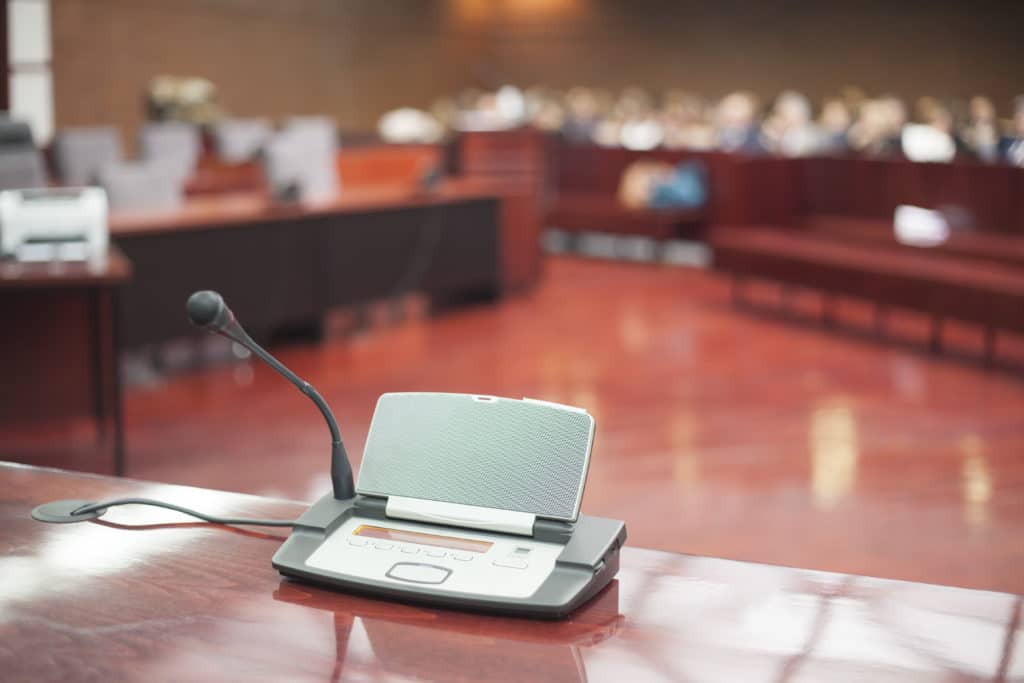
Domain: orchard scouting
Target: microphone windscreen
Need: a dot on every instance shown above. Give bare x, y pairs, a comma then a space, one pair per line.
205, 308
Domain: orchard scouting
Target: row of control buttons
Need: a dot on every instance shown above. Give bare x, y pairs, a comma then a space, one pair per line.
429, 551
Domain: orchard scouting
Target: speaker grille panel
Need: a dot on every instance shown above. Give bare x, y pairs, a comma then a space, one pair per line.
499, 453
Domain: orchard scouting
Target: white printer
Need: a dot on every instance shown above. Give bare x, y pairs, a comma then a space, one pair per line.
46, 224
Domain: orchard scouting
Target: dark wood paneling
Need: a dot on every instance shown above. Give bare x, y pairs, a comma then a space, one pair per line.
980, 197
264, 269
287, 265
446, 248
46, 353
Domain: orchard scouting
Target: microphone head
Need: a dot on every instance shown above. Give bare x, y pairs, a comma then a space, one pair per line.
206, 309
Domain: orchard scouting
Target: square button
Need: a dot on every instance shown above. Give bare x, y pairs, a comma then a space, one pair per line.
358, 542
435, 552
410, 549
461, 557
383, 545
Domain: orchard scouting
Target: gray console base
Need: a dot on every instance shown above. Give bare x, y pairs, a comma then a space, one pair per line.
587, 564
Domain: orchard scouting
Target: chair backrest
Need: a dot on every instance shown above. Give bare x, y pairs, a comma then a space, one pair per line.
318, 130
241, 139
21, 163
173, 144
80, 153
14, 133
303, 155
142, 185
21, 168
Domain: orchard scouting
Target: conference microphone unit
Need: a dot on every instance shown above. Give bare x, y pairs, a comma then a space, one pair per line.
464, 501
207, 310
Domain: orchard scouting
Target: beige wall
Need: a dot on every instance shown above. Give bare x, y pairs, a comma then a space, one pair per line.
357, 58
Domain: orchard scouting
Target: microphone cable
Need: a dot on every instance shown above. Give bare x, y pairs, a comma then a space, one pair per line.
90, 510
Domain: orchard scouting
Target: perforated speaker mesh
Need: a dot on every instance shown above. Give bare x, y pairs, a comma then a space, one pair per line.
499, 453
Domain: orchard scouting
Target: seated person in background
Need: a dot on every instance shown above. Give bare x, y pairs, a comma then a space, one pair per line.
632, 107
925, 107
789, 130
658, 185
936, 133
981, 134
834, 124
608, 131
498, 110
582, 115
736, 124
931, 140
641, 126
641, 132
853, 97
687, 122
637, 183
1012, 146
544, 109
878, 127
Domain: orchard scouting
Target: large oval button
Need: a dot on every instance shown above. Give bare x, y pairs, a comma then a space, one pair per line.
416, 572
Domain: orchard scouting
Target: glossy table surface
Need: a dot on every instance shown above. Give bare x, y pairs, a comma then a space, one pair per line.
112, 268
244, 208
146, 595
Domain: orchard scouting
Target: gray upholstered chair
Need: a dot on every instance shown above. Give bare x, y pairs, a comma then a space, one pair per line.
241, 139
21, 163
302, 156
80, 153
173, 144
142, 185
21, 168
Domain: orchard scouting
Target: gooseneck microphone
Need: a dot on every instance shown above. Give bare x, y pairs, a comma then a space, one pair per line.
207, 310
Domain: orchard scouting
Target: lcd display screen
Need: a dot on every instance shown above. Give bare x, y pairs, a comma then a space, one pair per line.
400, 536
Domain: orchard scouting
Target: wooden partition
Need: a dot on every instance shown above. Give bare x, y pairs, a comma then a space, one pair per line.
288, 265
748, 189
741, 189
517, 164
380, 164
988, 198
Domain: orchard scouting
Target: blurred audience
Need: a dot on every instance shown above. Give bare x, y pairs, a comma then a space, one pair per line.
981, 134
851, 122
790, 129
1012, 146
736, 124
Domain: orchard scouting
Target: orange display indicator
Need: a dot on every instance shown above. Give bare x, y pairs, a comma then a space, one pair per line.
401, 536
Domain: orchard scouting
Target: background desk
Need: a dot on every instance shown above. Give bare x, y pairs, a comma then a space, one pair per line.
58, 353
136, 598
288, 265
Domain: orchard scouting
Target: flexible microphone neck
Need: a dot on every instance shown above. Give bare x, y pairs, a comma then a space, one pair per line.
208, 311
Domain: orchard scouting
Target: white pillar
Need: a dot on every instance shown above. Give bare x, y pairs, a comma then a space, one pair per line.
30, 79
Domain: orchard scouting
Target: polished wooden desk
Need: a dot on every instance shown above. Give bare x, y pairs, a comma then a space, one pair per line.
146, 595
283, 265
58, 352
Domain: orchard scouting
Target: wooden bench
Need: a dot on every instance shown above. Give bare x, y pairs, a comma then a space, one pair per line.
975, 245
584, 212
987, 294
586, 186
